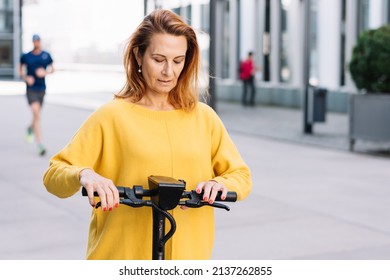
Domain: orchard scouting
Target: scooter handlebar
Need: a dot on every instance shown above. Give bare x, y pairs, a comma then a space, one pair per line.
140, 192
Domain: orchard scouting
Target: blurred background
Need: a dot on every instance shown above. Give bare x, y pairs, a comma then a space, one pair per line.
313, 196
94, 32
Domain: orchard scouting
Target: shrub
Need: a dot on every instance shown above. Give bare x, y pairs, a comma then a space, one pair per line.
370, 62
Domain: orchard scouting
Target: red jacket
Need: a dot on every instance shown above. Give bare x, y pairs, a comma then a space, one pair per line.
246, 69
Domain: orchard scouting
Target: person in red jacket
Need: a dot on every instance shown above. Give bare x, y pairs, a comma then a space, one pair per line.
247, 75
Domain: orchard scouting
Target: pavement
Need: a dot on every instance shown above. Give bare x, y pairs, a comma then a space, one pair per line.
311, 198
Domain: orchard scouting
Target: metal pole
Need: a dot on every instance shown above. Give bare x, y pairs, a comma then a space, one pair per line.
212, 54
307, 127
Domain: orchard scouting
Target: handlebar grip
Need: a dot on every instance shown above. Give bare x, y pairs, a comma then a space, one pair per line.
120, 189
84, 192
231, 197
138, 190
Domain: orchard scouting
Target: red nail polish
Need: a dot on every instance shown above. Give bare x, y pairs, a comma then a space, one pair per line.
105, 209
116, 205
110, 209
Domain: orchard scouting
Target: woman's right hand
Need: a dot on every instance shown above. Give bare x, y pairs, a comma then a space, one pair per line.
108, 193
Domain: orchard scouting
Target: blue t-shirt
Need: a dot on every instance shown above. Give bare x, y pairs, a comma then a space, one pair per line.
33, 62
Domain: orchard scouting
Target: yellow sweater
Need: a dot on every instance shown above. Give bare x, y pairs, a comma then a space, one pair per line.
127, 143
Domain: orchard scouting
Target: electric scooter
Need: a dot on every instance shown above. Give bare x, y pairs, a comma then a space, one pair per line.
166, 193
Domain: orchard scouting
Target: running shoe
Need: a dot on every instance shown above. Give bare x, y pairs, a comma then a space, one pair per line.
42, 150
30, 135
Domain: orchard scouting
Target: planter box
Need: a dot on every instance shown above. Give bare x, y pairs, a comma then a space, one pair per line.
369, 118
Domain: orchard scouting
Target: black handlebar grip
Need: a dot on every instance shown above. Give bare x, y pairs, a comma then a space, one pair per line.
121, 191
84, 192
230, 197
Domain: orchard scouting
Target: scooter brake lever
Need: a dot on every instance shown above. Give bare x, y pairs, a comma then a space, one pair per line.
219, 205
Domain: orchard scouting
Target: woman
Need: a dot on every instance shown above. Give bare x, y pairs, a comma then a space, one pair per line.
154, 126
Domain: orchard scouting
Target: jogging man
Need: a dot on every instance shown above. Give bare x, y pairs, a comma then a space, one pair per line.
34, 66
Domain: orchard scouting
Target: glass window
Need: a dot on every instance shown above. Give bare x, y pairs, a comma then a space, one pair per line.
6, 16
388, 12
313, 78
176, 10
205, 27
205, 18
184, 12
284, 73
363, 15
6, 4
187, 13
6, 51
225, 39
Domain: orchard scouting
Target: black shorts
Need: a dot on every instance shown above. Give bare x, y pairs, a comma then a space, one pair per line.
35, 96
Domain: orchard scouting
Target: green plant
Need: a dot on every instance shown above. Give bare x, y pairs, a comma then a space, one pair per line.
370, 62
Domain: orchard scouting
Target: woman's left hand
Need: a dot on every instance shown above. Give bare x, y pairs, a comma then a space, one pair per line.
210, 190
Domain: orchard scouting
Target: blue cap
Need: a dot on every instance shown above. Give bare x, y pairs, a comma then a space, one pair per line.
36, 37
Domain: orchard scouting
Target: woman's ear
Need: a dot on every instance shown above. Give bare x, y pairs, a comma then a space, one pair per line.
137, 56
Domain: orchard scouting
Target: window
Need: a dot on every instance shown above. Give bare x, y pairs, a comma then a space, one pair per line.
225, 39
176, 10
205, 27
363, 15
6, 51
284, 72
6, 16
187, 13
313, 76
205, 18
388, 13
184, 12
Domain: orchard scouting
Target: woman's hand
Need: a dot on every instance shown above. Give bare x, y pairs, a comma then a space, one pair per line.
108, 193
211, 189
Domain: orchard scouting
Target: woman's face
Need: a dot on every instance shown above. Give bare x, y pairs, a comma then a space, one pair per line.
163, 62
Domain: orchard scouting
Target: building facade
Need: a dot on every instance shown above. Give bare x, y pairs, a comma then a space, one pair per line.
274, 30
9, 38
